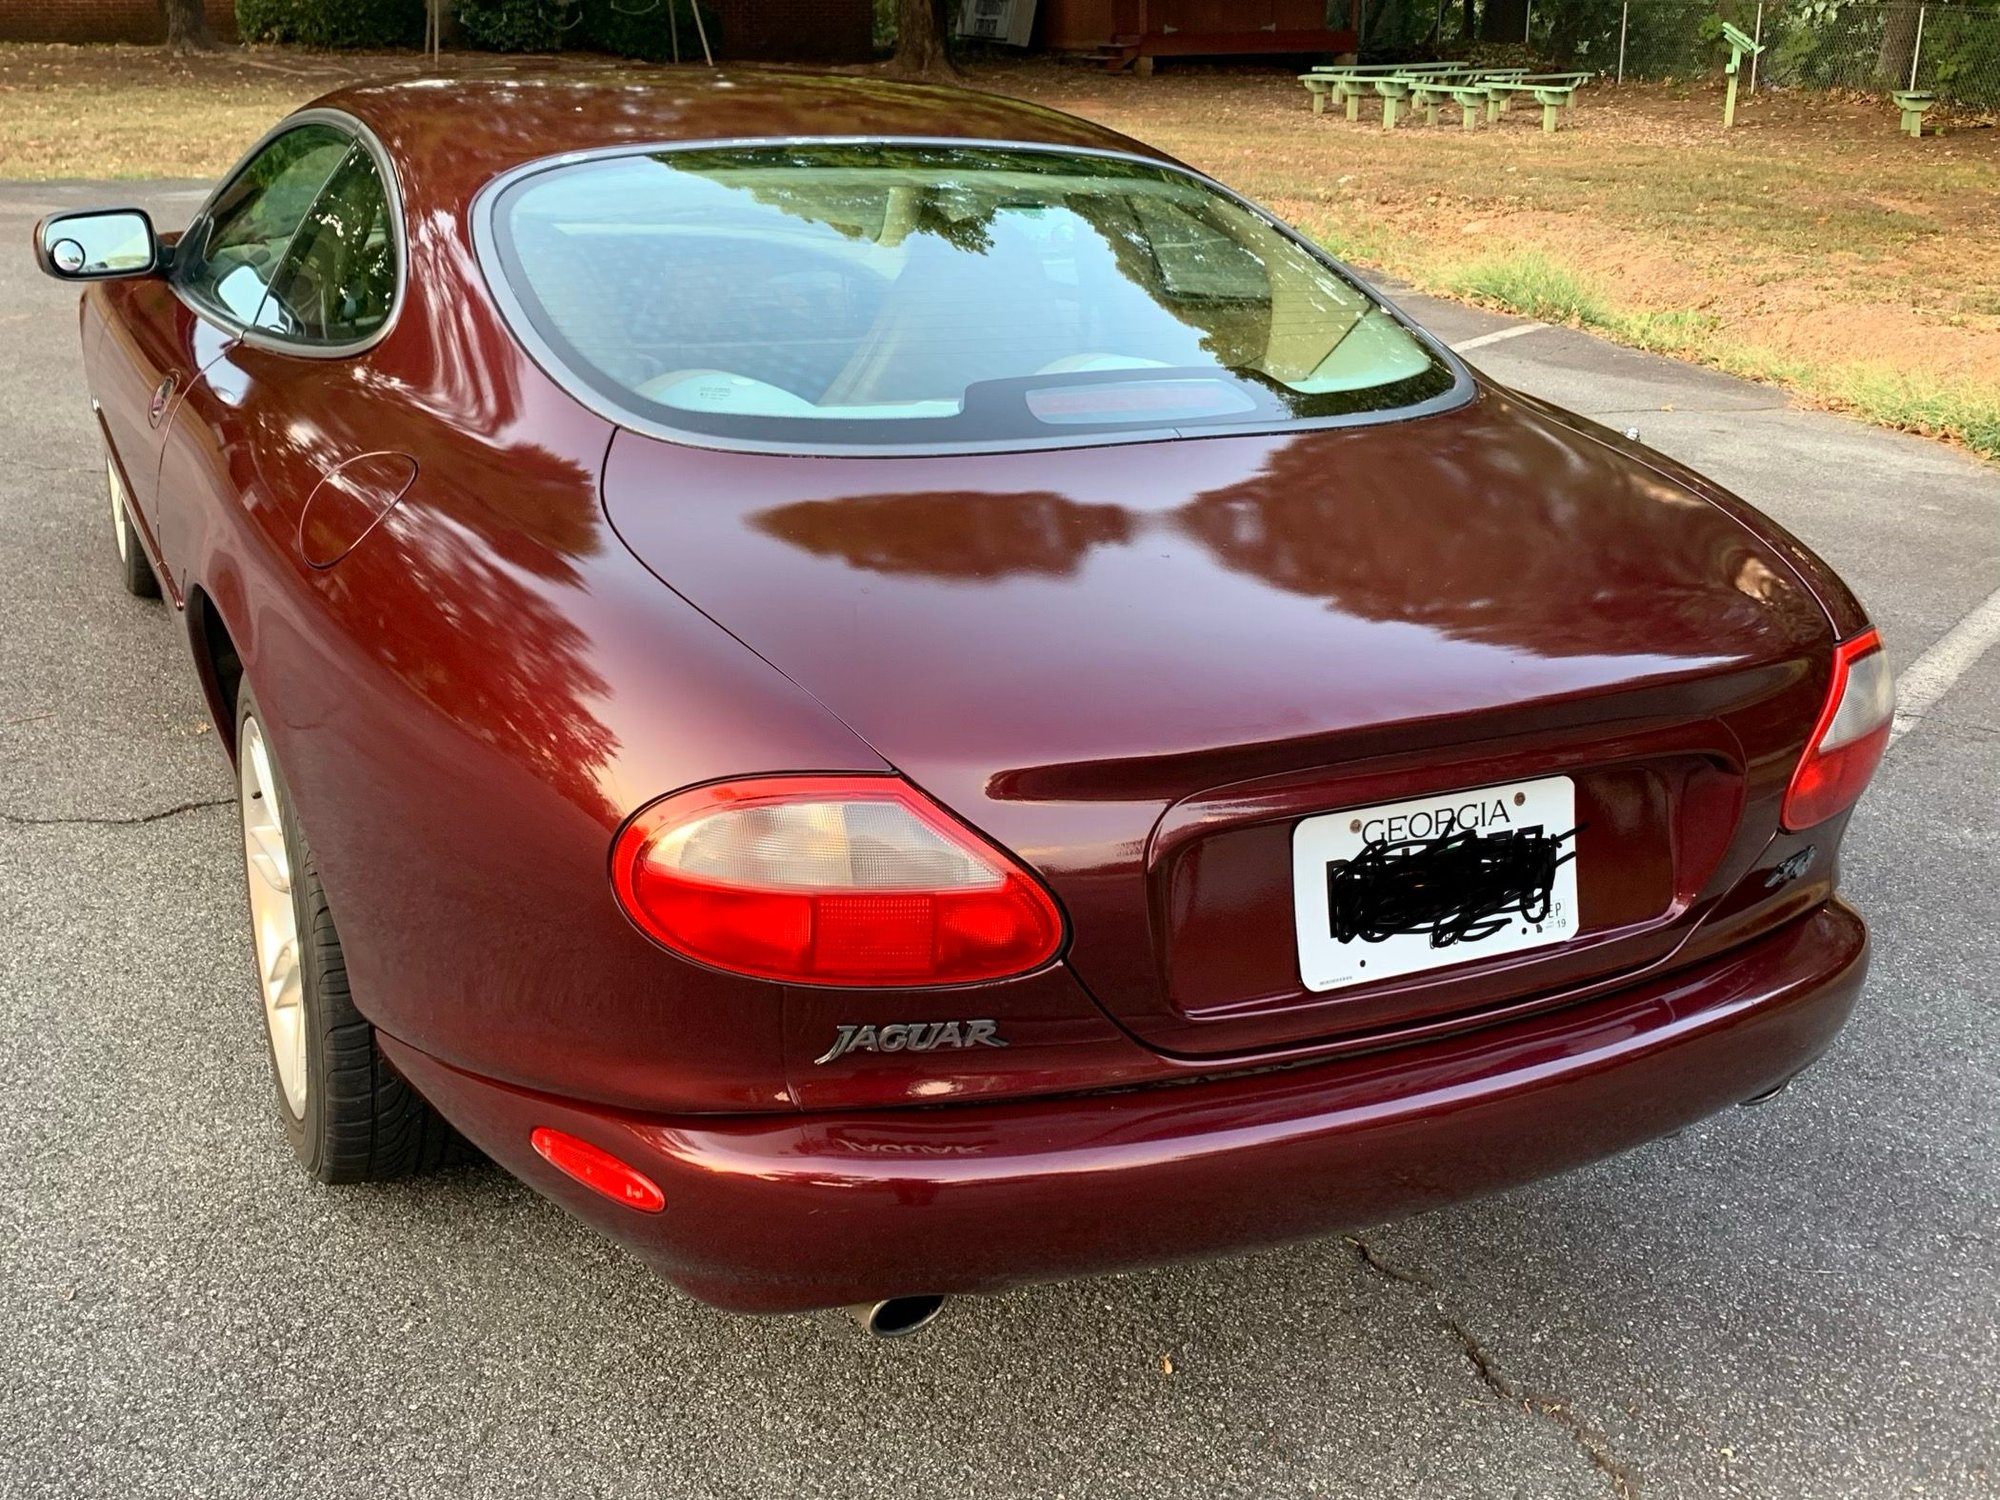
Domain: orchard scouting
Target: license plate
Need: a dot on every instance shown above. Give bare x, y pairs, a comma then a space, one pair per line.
1380, 892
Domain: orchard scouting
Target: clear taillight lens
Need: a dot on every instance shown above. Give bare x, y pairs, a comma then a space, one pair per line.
839, 880
1848, 741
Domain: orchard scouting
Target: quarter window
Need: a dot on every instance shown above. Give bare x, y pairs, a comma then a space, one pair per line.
228, 258
337, 284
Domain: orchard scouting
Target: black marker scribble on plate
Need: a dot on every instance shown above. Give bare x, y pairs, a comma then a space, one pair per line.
1459, 887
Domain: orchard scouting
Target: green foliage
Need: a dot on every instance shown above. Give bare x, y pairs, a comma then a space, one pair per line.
1397, 30
517, 25
627, 28
1577, 33
1961, 57
644, 29
332, 23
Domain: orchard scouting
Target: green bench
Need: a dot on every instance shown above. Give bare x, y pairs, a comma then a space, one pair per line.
1347, 84
1466, 89
1428, 87
1555, 92
1421, 85
1913, 103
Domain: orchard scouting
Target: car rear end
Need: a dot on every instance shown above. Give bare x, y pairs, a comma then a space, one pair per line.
1313, 786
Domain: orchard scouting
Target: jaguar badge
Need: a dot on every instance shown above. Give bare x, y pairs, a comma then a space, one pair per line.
913, 1036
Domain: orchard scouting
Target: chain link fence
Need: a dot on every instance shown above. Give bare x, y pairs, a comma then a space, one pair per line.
1864, 46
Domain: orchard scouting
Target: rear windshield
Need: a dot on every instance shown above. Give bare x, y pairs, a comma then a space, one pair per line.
827, 295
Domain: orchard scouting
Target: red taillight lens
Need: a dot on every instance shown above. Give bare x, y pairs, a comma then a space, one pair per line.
838, 880
598, 1170
1848, 741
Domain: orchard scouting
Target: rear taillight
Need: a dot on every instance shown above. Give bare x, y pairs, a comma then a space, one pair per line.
1848, 741
837, 880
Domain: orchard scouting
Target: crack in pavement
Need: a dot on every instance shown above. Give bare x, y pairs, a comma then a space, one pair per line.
1596, 1447
26, 820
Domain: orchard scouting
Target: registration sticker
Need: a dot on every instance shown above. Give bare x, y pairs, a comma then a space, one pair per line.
1381, 892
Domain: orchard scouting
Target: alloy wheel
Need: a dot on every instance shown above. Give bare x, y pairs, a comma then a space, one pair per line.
273, 915
120, 526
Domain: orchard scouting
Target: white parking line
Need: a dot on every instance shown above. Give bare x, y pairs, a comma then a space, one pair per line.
1931, 675
1495, 337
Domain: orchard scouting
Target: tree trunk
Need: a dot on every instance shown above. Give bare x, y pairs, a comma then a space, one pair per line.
1504, 21
1468, 26
1899, 46
187, 26
923, 29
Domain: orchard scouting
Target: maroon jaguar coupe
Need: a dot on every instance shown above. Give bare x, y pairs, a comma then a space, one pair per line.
885, 693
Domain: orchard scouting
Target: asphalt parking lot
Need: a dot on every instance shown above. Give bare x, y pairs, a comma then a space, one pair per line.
1797, 1301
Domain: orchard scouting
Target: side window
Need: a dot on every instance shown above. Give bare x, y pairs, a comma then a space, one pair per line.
233, 250
337, 284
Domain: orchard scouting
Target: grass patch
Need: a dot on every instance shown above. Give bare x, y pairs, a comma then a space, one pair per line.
1959, 410
1529, 283
1681, 333
1534, 286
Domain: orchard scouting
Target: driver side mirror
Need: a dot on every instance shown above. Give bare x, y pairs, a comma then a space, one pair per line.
97, 245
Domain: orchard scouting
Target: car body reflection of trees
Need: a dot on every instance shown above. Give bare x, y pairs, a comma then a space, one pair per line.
1482, 543
969, 535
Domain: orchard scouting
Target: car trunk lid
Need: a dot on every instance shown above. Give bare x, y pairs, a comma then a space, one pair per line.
1140, 667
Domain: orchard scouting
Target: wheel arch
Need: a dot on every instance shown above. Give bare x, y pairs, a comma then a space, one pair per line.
218, 662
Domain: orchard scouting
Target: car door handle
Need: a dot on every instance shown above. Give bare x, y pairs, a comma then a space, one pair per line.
162, 394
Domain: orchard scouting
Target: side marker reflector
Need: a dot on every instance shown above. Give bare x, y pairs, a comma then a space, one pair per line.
598, 1170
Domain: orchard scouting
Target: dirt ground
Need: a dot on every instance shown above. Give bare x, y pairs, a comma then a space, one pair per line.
1812, 244
1813, 228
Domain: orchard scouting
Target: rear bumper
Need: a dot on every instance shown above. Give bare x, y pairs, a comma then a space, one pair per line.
777, 1213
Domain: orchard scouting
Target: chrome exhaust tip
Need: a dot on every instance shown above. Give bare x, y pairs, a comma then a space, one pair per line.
1769, 1094
896, 1317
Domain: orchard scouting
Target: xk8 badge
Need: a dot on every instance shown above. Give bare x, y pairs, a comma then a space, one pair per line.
914, 1036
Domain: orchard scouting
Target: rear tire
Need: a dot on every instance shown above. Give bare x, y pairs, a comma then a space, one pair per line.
133, 563
348, 1115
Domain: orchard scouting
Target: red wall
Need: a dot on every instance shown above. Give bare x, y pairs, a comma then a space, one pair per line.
1079, 24
796, 30
99, 20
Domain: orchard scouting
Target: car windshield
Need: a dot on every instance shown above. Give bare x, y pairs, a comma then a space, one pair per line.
829, 295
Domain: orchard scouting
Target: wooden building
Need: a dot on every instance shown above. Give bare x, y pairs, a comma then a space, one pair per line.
1131, 33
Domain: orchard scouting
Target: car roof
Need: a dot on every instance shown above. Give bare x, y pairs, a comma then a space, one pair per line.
449, 137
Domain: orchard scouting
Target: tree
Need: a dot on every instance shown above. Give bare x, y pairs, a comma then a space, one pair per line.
1899, 46
923, 47
187, 26
1505, 21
